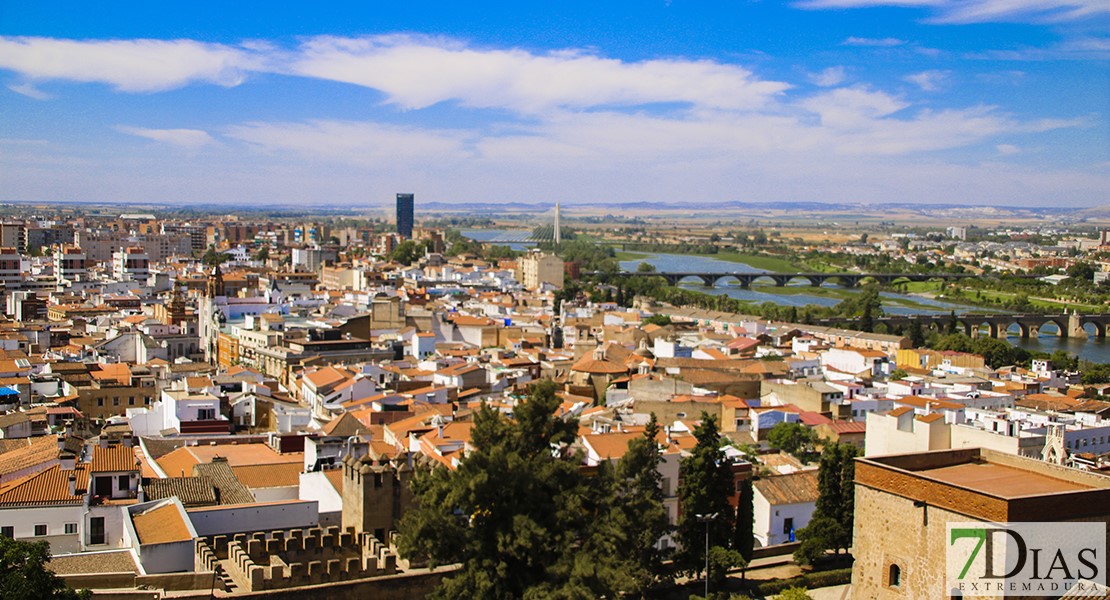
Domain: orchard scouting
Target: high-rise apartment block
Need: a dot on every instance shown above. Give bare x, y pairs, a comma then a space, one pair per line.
404, 215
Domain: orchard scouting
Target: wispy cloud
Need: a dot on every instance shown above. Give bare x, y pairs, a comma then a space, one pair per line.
127, 65
1007, 149
929, 81
416, 72
26, 89
356, 142
1075, 49
829, 77
982, 11
876, 42
190, 139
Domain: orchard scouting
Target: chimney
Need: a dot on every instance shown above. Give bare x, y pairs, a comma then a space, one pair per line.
72, 485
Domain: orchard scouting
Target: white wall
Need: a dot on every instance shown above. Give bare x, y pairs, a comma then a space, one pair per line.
222, 520
169, 557
316, 487
769, 519
276, 494
23, 521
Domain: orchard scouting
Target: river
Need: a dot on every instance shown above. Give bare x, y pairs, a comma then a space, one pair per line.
800, 293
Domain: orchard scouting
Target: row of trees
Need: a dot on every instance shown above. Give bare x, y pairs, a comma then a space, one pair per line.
525, 520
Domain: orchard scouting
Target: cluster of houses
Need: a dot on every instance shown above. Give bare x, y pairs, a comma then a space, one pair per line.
193, 419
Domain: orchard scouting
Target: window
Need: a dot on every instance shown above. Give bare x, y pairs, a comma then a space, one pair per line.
123, 482
894, 576
787, 525
71, 528
7, 531
100, 401
40, 530
206, 414
115, 401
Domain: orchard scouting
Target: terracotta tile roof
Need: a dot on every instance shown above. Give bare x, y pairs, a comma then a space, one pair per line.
31, 452
192, 491
119, 372
107, 459
588, 364
344, 425
610, 445
327, 377
119, 561
46, 488
335, 477
161, 525
229, 490
266, 476
842, 426
796, 488
183, 459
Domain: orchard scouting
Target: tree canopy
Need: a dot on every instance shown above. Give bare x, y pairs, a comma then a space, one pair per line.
525, 520
792, 438
24, 576
707, 485
833, 519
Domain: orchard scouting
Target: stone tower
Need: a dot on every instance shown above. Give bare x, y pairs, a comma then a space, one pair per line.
376, 494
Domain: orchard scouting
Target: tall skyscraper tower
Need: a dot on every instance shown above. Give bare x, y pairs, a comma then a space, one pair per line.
404, 215
558, 235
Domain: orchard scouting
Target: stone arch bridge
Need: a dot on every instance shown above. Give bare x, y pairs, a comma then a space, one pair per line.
1067, 324
745, 280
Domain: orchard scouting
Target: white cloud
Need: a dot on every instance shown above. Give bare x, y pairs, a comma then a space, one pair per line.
829, 77
877, 42
190, 139
982, 11
416, 72
127, 65
1007, 149
355, 142
26, 89
929, 81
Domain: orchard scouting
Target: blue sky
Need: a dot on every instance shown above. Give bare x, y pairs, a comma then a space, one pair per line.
1000, 102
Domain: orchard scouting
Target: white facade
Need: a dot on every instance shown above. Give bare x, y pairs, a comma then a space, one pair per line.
240, 518
778, 523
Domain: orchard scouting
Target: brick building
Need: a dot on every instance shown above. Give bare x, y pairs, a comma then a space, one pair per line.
904, 502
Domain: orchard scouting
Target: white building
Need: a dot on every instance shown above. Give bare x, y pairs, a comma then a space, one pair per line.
782, 505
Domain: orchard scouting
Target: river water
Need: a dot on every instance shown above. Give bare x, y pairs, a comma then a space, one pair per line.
798, 294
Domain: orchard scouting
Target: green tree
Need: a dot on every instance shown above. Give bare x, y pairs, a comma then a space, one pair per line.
743, 541
502, 512
24, 575
212, 258
406, 252
916, 334
1082, 270
792, 438
645, 267
263, 254
898, 374
834, 514
660, 320
706, 487
639, 507
519, 515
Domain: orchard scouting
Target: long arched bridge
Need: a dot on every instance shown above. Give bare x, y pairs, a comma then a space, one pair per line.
1029, 325
745, 280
